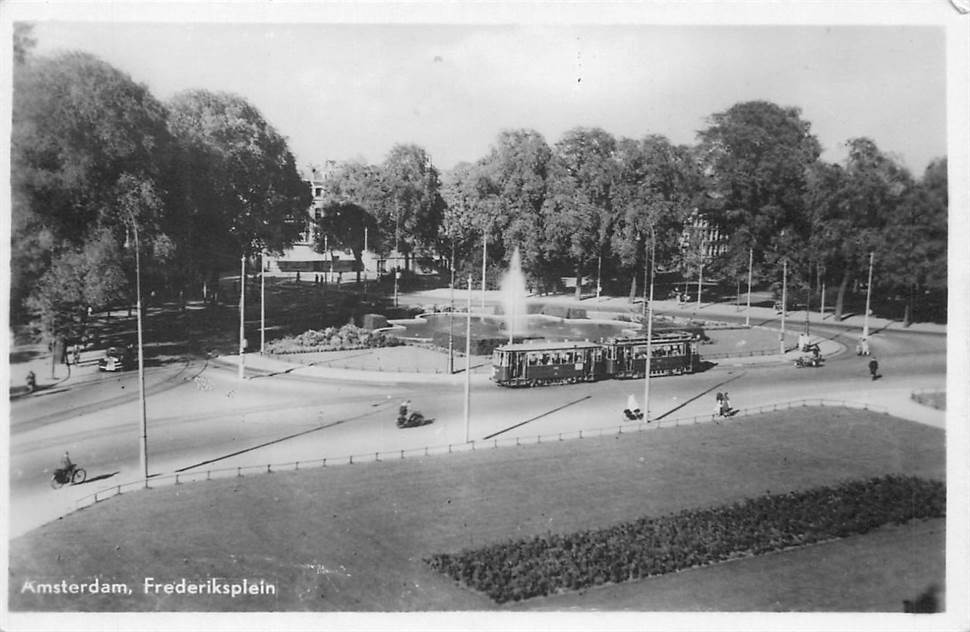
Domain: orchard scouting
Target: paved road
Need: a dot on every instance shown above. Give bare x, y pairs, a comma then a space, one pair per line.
202, 417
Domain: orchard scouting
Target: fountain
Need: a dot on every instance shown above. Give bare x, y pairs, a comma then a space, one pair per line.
513, 297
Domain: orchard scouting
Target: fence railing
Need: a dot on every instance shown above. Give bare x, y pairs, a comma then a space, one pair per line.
626, 428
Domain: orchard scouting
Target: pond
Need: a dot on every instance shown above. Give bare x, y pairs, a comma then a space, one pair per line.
537, 326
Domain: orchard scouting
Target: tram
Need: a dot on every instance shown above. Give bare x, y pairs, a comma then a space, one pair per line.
548, 363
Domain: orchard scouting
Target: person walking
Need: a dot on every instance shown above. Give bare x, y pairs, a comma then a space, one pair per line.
718, 406
874, 368
725, 405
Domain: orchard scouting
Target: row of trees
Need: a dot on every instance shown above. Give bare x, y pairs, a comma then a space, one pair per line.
591, 204
98, 161
203, 180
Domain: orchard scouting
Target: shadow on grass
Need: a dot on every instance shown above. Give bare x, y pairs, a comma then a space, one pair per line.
24, 355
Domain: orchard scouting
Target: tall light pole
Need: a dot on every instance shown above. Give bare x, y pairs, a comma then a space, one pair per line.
700, 275
747, 317
141, 357
646, 371
821, 276
262, 302
784, 304
242, 315
468, 361
865, 321
451, 315
484, 262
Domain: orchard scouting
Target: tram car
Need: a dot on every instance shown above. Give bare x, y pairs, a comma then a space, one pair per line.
671, 353
543, 363
546, 363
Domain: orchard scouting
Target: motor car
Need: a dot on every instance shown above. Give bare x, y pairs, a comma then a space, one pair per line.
115, 359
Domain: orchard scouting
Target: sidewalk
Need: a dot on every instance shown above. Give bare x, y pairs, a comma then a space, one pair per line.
689, 310
37, 358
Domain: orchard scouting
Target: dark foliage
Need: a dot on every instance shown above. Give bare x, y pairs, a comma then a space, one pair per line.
555, 563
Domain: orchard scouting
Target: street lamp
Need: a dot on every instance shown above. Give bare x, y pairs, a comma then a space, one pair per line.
784, 304
484, 263
242, 319
747, 317
865, 322
141, 357
468, 360
646, 372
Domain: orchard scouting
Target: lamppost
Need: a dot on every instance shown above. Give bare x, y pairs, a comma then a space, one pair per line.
242, 317
141, 356
784, 304
468, 361
646, 371
451, 315
747, 317
484, 263
262, 302
865, 321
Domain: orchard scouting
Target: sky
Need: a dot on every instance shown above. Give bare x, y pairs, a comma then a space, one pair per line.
352, 91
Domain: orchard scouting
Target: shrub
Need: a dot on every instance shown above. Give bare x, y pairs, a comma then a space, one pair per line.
652, 546
331, 339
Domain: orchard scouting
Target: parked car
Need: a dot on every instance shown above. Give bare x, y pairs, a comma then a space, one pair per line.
115, 359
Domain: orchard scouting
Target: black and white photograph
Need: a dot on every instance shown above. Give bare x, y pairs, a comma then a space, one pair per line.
501, 316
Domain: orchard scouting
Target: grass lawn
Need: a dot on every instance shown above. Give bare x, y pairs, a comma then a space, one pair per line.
353, 537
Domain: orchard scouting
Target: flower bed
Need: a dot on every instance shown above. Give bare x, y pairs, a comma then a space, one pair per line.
556, 563
331, 339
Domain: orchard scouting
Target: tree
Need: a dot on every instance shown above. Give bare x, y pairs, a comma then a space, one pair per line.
238, 187
24, 42
912, 256
83, 134
357, 183
412, 208
459, 230
657, 187
578, 212
851, 209
757, 155
517, 168
343, 225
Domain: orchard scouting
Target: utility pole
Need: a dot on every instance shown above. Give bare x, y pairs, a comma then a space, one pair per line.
262, 302
700, 277
821, 276
599, 274
484, 261
865, 322
141, 358
784, 304
451, 316
808, 303
646, 372
468, 361
747, 317
242, 315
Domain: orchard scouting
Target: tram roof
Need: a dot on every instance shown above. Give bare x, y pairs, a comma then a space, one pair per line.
663, 336
549, 346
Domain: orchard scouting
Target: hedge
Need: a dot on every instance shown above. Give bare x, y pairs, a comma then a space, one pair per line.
555, 563
331, 339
